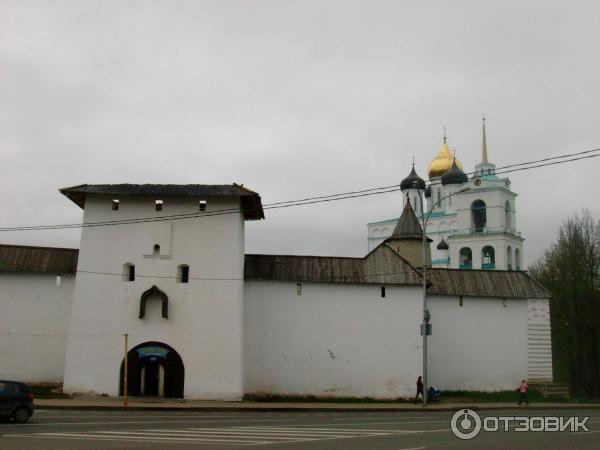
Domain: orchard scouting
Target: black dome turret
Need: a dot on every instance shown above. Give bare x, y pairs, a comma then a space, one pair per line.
443, 245
454, 176
412, 181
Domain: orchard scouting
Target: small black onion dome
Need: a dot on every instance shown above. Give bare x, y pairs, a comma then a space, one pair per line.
443, 245
454, 176
428, 191
412, 181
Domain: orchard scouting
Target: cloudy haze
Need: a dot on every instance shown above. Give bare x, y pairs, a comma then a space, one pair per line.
294, 99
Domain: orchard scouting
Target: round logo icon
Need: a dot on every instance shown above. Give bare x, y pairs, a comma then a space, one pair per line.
465, 424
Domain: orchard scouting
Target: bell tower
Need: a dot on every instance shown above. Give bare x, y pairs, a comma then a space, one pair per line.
486, 236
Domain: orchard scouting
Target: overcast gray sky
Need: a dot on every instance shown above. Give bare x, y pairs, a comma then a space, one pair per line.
294, 99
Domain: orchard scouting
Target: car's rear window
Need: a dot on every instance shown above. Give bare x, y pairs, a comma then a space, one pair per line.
9, 389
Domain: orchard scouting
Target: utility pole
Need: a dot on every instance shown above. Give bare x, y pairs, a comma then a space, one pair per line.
425, 327
125, 372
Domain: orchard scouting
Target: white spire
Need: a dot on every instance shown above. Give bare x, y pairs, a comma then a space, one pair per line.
484, 154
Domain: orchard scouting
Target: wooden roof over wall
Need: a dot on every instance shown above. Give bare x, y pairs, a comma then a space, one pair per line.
382, 266
26, 259
485, 283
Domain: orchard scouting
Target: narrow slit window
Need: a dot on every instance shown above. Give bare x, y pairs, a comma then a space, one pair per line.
382, 291
156, 250
115, 204
298, 288
460, 301
184, 273
158, 205
202, 205
128, 272
504, 302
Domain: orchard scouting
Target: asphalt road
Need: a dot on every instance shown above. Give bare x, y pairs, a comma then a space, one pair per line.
68, 429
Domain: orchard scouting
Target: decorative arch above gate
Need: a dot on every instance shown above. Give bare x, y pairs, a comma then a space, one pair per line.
149, 293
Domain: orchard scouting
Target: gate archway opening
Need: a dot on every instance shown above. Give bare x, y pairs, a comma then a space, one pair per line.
154, 369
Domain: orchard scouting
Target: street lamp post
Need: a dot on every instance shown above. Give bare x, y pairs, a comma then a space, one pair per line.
426, 313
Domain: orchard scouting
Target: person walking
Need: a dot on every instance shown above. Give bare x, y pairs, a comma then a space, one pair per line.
523, 391
419, 389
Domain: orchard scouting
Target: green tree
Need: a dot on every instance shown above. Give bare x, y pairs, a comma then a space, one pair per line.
570, 270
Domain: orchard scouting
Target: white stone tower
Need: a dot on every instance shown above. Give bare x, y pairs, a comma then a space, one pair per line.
174, 286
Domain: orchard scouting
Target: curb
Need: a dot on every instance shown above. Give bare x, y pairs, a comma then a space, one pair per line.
270, 409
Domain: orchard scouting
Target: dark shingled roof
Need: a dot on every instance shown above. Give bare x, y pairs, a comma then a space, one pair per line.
251, 202
382, 265
304, 268
22, 258
485, 283
408, 226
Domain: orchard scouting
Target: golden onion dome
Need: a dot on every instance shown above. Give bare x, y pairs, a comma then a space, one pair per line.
442, 162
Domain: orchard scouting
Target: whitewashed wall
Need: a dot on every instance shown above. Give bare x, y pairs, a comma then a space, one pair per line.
34, 318
481, 346
333, 340
205, 315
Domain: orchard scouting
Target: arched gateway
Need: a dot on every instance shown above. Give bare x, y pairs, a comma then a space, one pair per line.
154, 369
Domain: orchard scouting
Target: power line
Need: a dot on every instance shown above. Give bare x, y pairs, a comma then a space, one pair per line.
499, 170
305, 201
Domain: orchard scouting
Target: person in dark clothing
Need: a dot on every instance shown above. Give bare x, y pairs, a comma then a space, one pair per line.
419, 389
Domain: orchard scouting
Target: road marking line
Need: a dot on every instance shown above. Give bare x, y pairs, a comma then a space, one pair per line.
145, 421
361, 431
137, 438
226, 435
396, 422
250, 431
119, 439
270, 437
292, 430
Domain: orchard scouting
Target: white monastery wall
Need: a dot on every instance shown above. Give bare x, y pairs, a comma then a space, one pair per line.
480, 346
205, 315
539, 341
34, 317
332, 340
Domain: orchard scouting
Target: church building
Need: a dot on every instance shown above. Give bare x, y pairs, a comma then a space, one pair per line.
161, 298
471, 219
